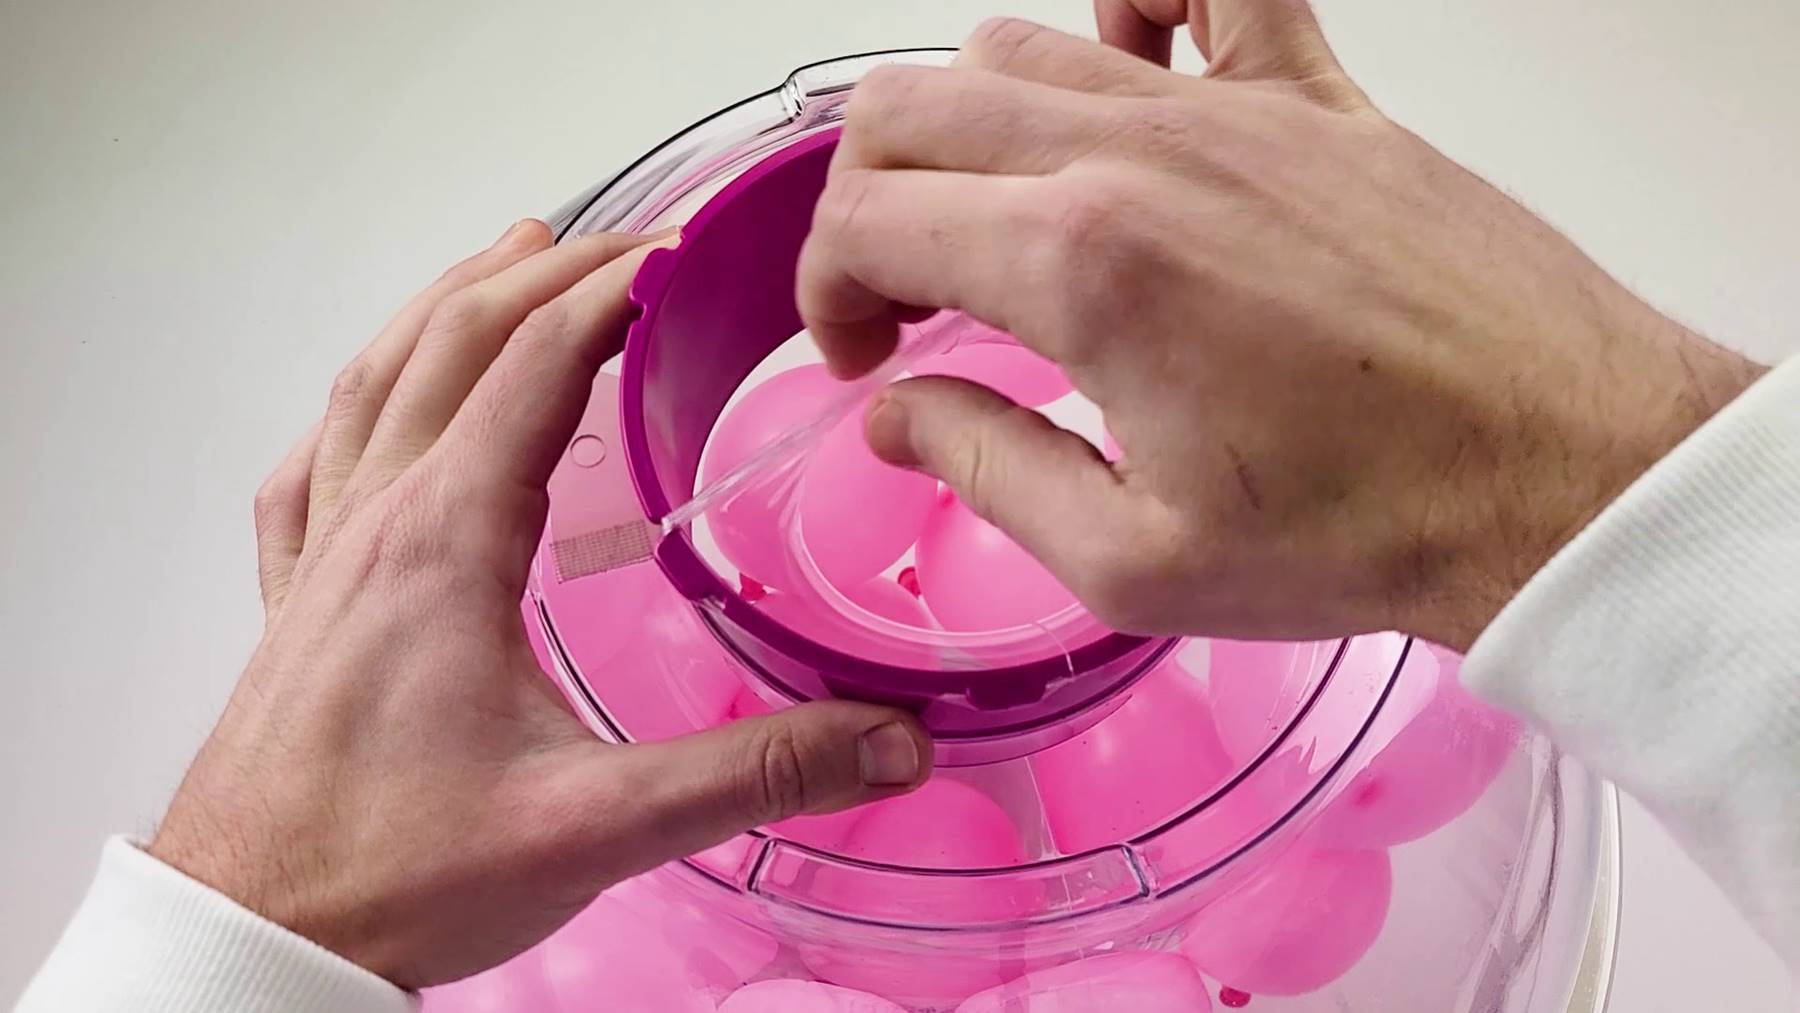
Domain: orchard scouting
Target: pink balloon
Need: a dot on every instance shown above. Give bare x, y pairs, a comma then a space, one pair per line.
828, 832
749, 529
517, 986
886, 598
809, 614
641, 946
945, 825
1432, 767
1141, 982
858, 514
1259, 687
973, 577
747, 704
1003, 365
1139, 766
793, 996
660, 672
1297, 925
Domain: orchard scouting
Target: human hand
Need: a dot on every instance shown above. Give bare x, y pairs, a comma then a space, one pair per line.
392, 777
1355, 386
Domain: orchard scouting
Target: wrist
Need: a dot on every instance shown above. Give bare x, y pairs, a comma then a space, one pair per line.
1567, 463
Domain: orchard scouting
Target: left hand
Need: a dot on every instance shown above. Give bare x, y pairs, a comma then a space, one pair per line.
392, 776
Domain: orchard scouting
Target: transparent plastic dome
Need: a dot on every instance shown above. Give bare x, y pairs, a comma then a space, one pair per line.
1116, 822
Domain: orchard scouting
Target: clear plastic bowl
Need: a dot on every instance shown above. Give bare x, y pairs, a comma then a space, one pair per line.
1331, 826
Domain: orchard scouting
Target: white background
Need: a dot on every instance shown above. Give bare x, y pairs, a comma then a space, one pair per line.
206, 207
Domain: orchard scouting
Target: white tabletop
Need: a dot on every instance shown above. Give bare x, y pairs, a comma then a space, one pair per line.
206, 207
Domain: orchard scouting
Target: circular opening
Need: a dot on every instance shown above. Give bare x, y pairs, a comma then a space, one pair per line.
713, 310
868, 559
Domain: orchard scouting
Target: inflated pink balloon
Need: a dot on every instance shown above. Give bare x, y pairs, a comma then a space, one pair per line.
663, 673
946, 825
828, 832
855, 627
1139, 766
807, 613
1140, 982
1430, 770
793, 996
858, 514
1298, 926
517, 986
1258, 688
886, 598
973, 577
641, 946
1003, 365
749, 528
748, 704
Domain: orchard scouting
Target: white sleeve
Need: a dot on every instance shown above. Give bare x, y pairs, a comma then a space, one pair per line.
1661, 646
150, 940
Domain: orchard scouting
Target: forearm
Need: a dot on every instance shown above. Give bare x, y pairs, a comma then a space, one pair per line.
1662, 647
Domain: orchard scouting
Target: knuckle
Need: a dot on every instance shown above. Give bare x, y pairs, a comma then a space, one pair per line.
464, 272
396, 543
271, 501
886, 91
1080, 252
1106, 586
1123, 574
545, 325
1087, 218
777, 786
845, 193
460, 311
968, 465
998, 42
349, 388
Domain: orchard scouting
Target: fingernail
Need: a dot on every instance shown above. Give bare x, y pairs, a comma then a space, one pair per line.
888, 430
889, 756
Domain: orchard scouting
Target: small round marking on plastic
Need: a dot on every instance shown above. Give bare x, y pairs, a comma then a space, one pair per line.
587, 451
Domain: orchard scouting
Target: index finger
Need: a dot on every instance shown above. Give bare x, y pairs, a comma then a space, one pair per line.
520, 415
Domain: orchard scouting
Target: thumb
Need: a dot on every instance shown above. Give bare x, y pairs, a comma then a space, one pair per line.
1046, 487
698, 790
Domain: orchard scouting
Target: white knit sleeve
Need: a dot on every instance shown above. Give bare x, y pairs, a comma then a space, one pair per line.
148, 939
1661, 646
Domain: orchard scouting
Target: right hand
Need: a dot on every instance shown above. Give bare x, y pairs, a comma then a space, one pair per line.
1357, 387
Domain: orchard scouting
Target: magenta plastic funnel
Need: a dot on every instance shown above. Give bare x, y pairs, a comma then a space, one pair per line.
713, 308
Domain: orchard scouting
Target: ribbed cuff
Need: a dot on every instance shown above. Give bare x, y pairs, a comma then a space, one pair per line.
1661, 646
148, 938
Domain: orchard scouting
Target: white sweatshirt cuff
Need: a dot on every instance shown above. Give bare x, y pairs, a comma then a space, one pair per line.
147, 938
1661, 646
